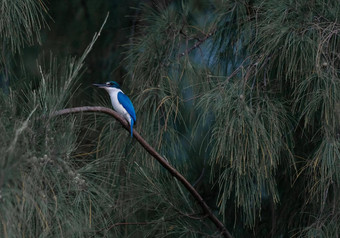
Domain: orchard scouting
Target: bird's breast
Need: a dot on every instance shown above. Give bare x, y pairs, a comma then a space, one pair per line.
117, 106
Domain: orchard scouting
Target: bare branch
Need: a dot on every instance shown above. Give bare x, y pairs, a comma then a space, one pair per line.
197, 44
154, 154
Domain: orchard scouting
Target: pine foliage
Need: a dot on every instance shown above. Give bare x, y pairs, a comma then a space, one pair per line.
242, 97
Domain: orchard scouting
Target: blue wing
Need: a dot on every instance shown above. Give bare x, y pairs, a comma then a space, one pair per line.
127, 104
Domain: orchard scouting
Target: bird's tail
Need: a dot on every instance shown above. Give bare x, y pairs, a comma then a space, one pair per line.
131, 127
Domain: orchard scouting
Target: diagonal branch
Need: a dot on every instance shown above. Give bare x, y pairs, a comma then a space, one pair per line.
197, 44
157, 156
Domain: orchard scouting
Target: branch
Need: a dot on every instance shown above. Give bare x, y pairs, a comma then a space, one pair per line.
154, 154
197, 44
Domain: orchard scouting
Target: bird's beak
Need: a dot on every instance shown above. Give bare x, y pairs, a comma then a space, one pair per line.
99, 85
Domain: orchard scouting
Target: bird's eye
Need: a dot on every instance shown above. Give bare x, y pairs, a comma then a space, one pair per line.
108, 83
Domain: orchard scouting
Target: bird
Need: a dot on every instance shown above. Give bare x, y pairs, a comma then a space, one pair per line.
120, 102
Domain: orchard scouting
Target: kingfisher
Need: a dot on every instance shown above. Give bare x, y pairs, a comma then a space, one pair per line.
120, 102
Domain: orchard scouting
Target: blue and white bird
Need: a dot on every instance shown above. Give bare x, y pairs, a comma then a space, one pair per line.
120, 102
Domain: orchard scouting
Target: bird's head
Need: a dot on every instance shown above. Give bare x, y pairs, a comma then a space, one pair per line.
107, 85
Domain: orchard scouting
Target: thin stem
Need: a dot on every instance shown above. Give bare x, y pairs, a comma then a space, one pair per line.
197, 44
154, 154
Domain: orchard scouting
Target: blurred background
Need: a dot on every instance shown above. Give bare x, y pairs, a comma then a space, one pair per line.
68, 28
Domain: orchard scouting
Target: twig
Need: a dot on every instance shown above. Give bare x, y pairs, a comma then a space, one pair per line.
197, 44
132, 223
192, 216
199, 178
154, 154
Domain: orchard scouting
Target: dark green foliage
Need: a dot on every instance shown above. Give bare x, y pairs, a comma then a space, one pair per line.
246, 162
20, 23
242, 97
